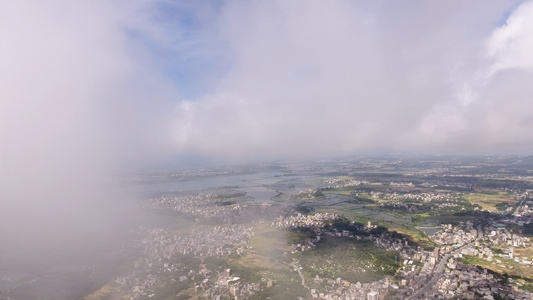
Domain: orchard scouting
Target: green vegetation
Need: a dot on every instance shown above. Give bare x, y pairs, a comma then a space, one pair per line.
318, 194
416, 237
474, 216
266, 260
299, 235
226, 202
286, 286
228, 195
489, 199
474, 260
171, 291
360, 199
267, 246
302, 209
341, 224
503, 206
528, 229
246, 271
339, 192
349, 259
506, 269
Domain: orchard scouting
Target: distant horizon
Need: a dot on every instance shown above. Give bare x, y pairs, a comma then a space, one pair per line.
169, 167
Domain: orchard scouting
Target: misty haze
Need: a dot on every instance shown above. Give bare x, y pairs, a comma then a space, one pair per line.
266, 149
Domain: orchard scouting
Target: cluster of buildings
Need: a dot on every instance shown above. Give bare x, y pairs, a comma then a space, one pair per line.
164, 254
397, 205
499, 236
465, 281
227, 285
301, 220
342, 289
307, 194
401, 184
423, 197
339, 183
525, 210
447, 184
451, 235
498, 246
415, 271
170, 257
221, 241
210, 207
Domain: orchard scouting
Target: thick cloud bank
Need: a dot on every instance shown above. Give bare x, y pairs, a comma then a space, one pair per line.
78, 104
310, 78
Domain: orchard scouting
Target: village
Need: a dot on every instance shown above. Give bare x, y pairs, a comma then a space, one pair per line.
177, 258
216, 208
174, 257
196, 262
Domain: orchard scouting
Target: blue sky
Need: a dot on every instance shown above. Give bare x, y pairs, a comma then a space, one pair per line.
184, 49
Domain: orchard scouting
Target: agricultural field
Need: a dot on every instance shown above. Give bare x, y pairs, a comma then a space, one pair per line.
489, 200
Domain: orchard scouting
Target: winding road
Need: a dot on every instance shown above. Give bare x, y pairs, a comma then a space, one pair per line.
297, 268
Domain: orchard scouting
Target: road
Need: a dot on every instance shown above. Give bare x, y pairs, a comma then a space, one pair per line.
440, 268
520, 204
297, 268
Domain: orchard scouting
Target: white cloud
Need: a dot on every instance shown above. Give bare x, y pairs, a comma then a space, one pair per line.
314, 78
511, 45
491, 110
78, 105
